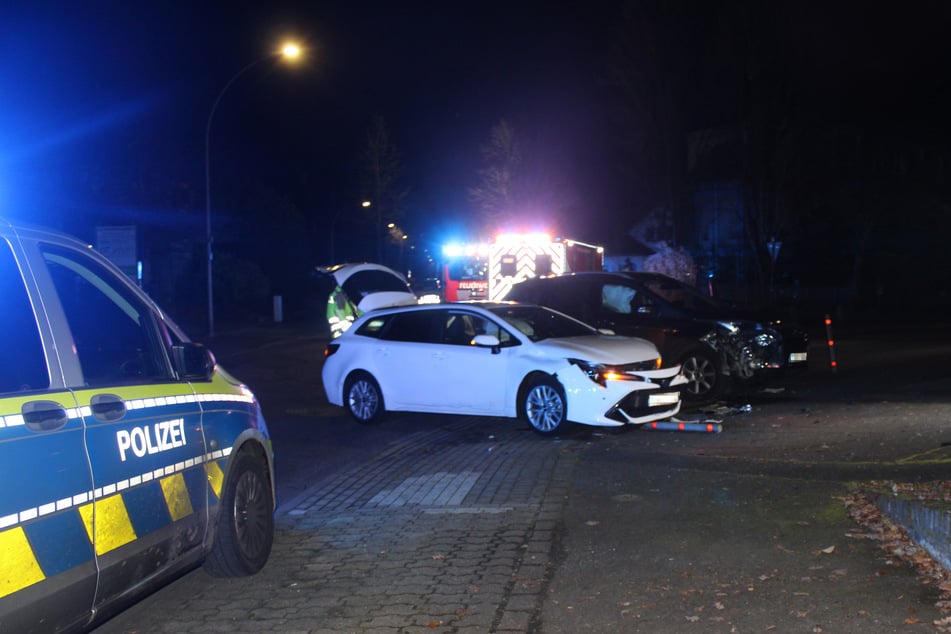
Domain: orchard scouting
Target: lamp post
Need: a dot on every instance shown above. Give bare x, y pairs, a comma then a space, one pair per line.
289, 51
399, 238
773, 247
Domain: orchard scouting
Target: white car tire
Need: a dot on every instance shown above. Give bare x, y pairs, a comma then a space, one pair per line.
363, 398
544, 405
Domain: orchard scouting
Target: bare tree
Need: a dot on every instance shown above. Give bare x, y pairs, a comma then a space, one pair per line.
380, 180
649, 70
771, 137
496, 197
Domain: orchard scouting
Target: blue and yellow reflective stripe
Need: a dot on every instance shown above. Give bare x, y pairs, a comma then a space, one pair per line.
56, 535
16, 420
214, 477
18, 566
109, 517
242, 396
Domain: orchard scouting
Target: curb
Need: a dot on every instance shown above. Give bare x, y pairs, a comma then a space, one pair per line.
928, 524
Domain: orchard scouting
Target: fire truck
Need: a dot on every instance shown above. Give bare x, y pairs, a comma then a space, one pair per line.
513, 258
464, 271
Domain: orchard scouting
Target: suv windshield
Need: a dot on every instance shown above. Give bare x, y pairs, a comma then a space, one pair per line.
683, 296
537, 323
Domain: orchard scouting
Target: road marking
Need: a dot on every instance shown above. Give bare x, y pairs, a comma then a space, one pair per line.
436, 489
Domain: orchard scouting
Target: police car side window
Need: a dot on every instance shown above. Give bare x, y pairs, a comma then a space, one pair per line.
113, 330
22, 360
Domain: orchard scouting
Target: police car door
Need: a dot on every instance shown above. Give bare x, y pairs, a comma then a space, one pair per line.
143, 427
47, 566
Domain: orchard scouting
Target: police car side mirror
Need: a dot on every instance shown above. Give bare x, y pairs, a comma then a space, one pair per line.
193, 361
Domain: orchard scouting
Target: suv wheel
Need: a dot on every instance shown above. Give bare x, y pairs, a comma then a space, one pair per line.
704, 380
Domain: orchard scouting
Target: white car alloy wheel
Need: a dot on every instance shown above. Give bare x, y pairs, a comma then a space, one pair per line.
363, 398
545, 406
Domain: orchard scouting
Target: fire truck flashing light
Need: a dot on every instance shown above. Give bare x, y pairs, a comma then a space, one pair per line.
468, 250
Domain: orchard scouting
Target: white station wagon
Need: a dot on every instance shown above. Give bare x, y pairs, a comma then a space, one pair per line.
507, 359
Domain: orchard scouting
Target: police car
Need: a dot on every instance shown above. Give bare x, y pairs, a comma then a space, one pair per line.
126, 455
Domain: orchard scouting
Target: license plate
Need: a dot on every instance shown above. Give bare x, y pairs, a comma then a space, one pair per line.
797, 357
667, 398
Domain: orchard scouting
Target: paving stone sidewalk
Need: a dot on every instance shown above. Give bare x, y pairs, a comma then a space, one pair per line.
450, 531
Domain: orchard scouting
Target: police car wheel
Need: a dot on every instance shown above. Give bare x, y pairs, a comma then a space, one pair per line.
544, 405
245, 520
363, 398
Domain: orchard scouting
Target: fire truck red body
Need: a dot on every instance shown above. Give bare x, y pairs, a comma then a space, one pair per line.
465, 272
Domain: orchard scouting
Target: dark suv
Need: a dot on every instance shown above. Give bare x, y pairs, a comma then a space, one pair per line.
717, 344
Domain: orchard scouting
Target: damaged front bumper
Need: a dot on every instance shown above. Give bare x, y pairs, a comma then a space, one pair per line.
754, 350
643, 397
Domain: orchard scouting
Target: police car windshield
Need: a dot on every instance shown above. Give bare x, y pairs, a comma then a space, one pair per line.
537, 323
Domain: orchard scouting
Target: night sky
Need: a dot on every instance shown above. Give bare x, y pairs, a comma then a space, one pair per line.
96, 92
105, 103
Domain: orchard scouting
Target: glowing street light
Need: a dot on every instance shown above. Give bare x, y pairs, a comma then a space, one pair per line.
289, 51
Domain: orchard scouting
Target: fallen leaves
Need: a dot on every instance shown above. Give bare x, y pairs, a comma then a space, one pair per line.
894, 540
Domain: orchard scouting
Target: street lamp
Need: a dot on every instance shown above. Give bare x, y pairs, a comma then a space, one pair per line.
289, 51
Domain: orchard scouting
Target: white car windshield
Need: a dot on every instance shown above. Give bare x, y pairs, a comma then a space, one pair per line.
537, 323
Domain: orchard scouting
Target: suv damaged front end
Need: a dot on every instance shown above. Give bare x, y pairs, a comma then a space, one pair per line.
752, 349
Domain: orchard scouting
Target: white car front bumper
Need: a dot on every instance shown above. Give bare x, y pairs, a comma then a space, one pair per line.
656, 397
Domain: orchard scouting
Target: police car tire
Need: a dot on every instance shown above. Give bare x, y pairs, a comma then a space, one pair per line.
245, 520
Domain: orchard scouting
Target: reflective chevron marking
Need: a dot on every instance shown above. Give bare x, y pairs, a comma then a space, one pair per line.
105, 518
18, 566
42, 541
525, 257
80, 499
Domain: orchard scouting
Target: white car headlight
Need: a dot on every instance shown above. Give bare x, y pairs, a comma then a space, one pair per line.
601, 373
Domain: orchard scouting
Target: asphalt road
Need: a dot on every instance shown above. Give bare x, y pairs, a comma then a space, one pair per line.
598, 530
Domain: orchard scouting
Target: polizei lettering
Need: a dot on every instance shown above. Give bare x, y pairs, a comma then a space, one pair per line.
149, 439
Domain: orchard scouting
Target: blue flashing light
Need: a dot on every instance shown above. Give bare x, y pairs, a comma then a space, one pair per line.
455, 250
